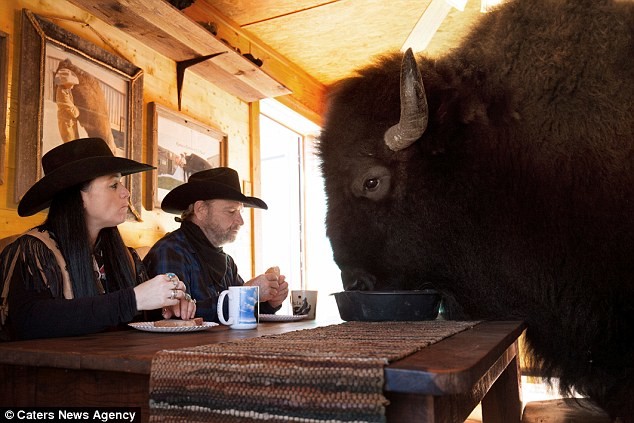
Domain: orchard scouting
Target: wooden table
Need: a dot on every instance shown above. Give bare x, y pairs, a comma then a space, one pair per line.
441, 383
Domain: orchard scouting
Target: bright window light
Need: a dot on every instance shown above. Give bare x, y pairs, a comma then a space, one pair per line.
487, 5
458, 4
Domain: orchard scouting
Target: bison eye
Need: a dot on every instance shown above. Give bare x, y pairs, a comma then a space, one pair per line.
373, 183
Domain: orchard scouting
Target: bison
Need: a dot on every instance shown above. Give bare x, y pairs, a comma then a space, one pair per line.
503, 175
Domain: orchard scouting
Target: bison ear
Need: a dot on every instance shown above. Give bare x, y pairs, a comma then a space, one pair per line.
458, 110
480, 107
472, 111
453, 110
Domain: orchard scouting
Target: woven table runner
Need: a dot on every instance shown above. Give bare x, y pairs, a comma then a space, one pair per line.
327, 374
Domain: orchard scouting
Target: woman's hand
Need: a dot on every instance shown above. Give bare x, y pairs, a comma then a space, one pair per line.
167, 292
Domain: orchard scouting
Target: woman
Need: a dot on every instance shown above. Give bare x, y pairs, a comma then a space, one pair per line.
73, 275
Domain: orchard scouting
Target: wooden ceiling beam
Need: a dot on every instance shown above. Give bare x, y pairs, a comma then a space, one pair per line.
162, 27
307, 94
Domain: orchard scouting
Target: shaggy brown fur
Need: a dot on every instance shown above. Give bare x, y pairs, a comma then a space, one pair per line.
518, 200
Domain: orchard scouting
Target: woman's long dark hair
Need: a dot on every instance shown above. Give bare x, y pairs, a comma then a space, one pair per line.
66, 221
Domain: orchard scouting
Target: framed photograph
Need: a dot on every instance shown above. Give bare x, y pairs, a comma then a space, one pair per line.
71, 88
181, 146
4, 70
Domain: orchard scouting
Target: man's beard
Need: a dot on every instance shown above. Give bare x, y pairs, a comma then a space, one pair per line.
220, 237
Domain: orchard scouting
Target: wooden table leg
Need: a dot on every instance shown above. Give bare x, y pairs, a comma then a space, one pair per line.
503, 402
409, 408
429, 409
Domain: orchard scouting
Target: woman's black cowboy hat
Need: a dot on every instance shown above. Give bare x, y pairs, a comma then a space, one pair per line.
221, 183
73, 163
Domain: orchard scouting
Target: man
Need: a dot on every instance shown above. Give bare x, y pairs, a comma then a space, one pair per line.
67, 112
210, 204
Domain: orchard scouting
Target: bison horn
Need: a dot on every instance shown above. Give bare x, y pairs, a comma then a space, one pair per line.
414, 113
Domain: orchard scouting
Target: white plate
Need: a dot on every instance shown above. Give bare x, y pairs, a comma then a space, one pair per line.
281, 318
149, 327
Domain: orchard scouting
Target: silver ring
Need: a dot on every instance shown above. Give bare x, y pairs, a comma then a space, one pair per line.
188, 297
175, 283
173, 296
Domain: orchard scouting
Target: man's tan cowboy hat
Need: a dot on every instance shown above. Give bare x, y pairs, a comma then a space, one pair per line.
221, 183
73, 163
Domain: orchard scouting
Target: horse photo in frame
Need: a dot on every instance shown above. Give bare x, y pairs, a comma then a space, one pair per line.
75, 89
180, 146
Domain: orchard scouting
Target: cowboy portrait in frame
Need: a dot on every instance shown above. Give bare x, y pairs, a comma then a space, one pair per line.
75, 89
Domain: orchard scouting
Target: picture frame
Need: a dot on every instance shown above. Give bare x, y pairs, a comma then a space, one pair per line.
70, 88
4, 74
179, 147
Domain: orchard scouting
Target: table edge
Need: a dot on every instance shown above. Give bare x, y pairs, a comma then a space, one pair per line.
402, 377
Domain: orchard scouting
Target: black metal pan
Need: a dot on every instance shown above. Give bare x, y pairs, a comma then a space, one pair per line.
378, 306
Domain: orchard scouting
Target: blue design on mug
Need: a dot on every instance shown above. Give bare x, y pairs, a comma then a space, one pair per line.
248, 303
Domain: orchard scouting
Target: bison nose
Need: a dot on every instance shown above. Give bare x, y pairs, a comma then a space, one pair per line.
357, 280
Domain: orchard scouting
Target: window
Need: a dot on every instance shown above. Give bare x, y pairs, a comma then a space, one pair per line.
293, 230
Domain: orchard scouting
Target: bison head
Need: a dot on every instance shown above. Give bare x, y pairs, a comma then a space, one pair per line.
393, 156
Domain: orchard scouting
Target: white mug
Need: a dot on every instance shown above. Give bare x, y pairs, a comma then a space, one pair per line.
304, 302
243, 304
